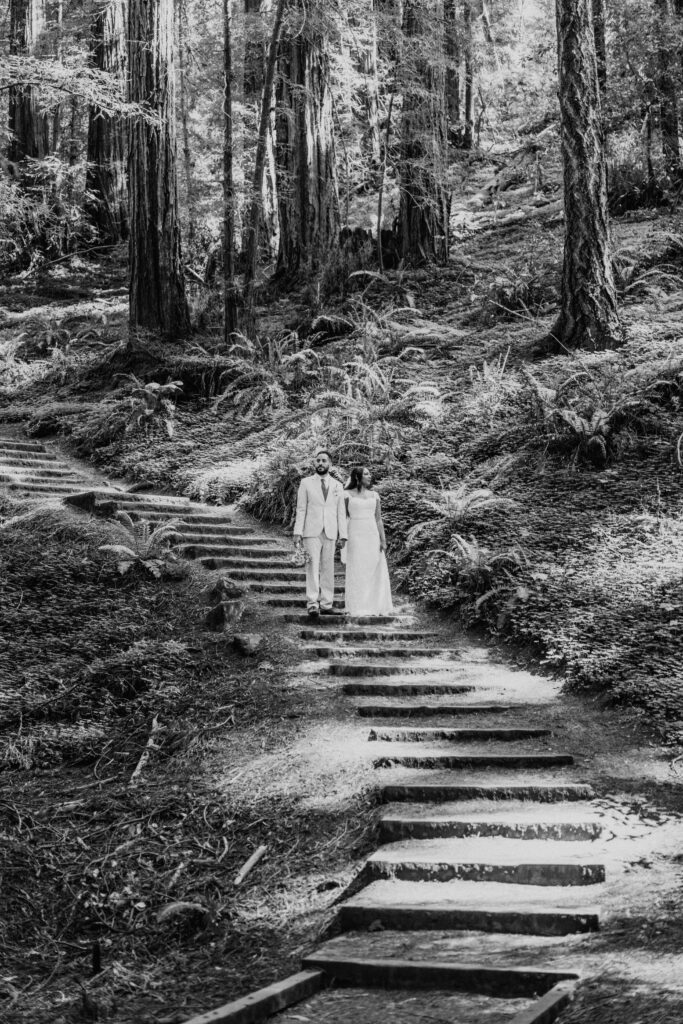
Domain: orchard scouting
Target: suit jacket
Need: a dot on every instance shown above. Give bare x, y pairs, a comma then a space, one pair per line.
315, 514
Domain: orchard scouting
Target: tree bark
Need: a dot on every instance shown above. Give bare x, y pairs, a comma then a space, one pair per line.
452, 51
157, 289
599, 19
468, 132
188, 164
588, 316
308, 203
667, 87
230, 312
424, 203
29, 129
106, 189
255, 208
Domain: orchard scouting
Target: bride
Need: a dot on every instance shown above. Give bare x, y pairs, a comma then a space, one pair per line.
368, 590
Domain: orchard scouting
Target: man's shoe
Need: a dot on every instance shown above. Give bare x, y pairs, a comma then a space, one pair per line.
328, 611
313, 613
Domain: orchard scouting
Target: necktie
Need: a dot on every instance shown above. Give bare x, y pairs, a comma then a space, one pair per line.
325, 490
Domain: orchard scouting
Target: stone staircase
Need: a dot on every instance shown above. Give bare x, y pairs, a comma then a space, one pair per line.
488, 834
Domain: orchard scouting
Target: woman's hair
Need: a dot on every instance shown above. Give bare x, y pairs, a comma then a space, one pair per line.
356, 479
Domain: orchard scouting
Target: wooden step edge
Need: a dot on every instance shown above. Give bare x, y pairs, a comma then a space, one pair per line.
481, 979
548, 1008
257, 1006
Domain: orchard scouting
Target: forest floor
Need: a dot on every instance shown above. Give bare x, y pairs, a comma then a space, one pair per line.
597, 599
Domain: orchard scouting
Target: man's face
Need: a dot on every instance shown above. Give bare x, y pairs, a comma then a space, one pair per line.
322, 464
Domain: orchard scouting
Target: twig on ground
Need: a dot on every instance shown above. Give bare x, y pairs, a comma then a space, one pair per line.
249, 864
145, 755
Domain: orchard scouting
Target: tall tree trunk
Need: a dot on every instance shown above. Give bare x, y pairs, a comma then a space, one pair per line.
667, 87
230, 314
157, 290
452, 51
308, 202
468, 133
599, 19
29, 129
370, 89
424, 202
588, 316
107, 199
264, 132
57, 112
188, 165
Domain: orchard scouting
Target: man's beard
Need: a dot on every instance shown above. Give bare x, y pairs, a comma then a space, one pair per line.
320, 471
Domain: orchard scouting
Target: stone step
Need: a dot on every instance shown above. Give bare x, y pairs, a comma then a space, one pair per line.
407, 709
208, 533
575, 822
337, 651
8, 445
342, 619
221, 562
151, 509
463, 788
470, 906
38, 488
406, 686
280, 601
336, 959
354, 635
493, 859
30, 462
294, 589
403, 667
44, 475
226, 548
440, 759
400, 734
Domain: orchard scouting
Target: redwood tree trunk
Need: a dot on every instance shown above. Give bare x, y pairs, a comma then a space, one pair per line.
29, 129
157, 291
468, 133
308, 203
424, 203
588, 317
452, 50
599, 18
230, 316
255, 215
107, 195
667, 87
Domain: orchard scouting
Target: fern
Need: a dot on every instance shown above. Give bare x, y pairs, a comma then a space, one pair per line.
144, 546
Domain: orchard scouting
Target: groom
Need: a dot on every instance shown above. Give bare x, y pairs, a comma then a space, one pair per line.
320, 519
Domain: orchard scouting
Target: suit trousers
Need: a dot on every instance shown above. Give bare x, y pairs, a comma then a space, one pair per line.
319, 571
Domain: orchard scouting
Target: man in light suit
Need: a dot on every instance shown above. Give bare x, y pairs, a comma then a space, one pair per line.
320, 519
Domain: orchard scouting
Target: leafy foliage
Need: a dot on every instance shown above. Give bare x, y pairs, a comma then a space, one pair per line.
145, 546
153, 402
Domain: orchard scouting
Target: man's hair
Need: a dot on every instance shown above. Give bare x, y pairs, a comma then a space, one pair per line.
323, 451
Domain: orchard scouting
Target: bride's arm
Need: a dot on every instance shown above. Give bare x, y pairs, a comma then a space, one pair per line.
380, 525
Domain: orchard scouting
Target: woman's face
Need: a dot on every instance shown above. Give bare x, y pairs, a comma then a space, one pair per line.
366, 478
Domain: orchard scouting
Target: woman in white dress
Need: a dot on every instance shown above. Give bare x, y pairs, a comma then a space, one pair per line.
368, 589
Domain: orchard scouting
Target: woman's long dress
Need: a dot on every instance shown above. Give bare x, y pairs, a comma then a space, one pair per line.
368, 588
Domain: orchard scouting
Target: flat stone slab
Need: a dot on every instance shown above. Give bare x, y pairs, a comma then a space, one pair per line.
429, 733
543, 791
374, 709
353, 635
406, 666
494, 859
407, 685
566, 822
435, 759
465, 905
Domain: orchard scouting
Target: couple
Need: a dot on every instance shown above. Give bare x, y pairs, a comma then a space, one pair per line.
326, 511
